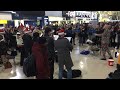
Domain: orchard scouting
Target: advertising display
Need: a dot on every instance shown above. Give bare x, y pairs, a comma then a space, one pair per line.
3, 21
45, 21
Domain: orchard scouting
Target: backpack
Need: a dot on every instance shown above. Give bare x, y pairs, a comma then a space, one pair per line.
29, 66
85, 52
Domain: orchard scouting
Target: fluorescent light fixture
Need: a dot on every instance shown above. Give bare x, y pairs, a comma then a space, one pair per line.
10, 12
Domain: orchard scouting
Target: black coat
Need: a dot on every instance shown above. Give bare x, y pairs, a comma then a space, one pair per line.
3, 48
113, 34
12, 42
118, 36
82, 33
27, 41
63, 47
50, 46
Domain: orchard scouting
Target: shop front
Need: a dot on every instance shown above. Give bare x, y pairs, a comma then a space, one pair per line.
24, 20
55, 17
55, 20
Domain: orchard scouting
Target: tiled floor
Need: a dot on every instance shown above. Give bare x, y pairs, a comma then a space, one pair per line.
90, 65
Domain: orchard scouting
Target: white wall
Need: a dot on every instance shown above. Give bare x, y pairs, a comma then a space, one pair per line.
5, 16
53, 13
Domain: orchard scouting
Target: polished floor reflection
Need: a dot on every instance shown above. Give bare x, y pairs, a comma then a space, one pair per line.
90, 65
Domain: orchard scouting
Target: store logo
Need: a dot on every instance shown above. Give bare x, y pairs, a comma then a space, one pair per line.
78, 14
71, 13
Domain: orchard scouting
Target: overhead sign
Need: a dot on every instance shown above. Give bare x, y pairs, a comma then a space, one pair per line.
82, 14
3, 21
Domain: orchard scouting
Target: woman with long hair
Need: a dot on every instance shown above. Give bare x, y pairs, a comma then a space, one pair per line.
39, 51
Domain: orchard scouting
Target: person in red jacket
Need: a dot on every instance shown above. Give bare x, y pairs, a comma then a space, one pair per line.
40, 53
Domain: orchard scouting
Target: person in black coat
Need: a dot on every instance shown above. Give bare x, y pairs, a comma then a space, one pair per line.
118, 38
27, 47
69, 33
98, 39
13, 42
82, 35
27, 41
113, 36
51, 50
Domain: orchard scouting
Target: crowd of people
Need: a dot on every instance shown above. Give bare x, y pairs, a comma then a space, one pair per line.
40, 42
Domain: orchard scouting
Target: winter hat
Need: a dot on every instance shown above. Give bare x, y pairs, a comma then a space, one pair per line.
27, 30
2, 31
18, 33
61, 32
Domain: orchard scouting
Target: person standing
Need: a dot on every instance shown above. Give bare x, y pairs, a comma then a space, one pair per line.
27, 41
118, 38
51, 51
74, 34
27, 48
63, 47
105, 41
39, 51
80, 35
112, 37
69, 33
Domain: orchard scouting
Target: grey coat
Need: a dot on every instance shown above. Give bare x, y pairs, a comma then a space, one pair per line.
63, 47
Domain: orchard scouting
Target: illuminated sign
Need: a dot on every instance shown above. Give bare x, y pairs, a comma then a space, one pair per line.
3, 21
71, 13
82, 14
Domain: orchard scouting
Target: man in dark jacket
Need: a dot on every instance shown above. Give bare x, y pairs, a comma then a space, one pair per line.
27, 49
51, 51
69, 33
118, 38
112, 37
27, 41
63, 47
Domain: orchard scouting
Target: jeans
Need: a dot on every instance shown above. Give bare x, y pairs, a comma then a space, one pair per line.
51, 65
69, 73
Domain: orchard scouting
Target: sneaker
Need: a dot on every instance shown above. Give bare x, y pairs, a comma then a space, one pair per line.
111, 58
103, 58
